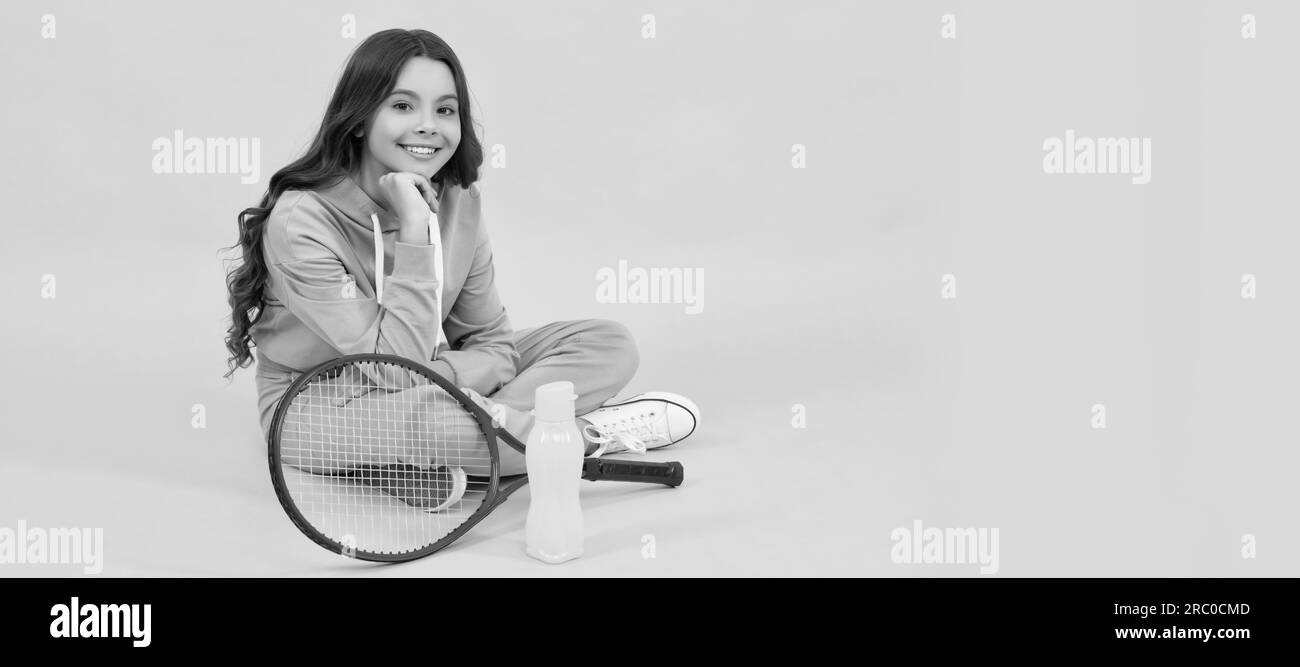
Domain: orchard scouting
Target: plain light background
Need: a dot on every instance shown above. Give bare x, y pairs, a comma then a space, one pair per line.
822, 284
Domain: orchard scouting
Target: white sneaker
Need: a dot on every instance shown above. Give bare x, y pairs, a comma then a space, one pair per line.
432, 489
645, 421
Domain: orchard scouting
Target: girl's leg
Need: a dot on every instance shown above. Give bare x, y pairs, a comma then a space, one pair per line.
598, 356
328, 433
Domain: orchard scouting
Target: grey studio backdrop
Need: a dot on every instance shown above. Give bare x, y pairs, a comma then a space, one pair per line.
905, 324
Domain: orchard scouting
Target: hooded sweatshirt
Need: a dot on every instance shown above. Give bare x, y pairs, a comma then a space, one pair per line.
436, 303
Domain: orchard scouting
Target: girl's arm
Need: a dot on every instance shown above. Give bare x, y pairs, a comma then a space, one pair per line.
479, 326
302, 254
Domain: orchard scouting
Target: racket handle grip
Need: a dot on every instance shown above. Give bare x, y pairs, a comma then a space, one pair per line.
614, 470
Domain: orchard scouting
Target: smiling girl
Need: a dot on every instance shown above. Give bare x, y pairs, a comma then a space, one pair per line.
373, 242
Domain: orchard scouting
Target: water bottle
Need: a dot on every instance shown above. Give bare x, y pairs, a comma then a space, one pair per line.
554, 531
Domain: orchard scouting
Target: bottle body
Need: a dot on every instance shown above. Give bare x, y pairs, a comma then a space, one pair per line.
553, 454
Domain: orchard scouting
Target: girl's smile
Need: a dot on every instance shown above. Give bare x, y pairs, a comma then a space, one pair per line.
421, 151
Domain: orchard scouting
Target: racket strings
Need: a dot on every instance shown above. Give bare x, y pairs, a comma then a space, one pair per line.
381, 459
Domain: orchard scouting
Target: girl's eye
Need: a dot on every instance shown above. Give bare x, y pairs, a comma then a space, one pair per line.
404, 104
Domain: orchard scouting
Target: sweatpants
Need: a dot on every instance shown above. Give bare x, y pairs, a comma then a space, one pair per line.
598, 356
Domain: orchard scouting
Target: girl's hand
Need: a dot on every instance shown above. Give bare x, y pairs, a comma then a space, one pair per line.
497, 410
410, 196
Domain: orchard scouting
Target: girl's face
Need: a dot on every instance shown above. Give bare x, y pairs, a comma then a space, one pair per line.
420, 115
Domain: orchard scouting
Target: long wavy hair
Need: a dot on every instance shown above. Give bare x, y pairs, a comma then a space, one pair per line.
370, 75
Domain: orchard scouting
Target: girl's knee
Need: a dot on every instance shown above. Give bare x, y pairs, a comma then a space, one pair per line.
627, 358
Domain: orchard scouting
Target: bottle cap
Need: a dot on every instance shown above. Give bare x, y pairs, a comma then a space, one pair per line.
554, 402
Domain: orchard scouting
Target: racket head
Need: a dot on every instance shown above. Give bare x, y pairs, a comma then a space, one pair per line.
362, 453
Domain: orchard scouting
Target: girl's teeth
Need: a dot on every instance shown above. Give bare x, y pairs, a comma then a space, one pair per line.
419, 151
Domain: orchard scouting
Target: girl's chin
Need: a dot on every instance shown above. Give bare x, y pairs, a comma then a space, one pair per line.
417, 167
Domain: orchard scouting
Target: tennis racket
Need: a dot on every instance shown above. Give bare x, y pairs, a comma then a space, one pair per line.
379, 458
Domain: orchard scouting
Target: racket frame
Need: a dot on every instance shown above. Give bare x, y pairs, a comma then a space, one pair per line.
492, 498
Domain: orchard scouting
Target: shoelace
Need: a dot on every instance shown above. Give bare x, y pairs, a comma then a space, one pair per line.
627, 432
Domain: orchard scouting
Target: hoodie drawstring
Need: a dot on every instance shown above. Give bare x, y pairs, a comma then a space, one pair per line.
379, 259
